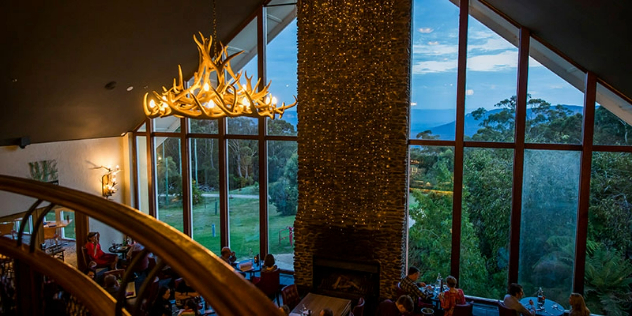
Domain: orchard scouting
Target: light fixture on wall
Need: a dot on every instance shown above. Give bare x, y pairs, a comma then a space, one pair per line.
216, 90
108, 181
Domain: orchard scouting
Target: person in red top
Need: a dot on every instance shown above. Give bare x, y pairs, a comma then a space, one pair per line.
451, 297
97, 255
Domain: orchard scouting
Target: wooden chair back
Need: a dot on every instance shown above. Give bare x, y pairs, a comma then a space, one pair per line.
118, 273
6, 229
358, 310
463, 309
290, 296
269, 283
50, 233
505, 311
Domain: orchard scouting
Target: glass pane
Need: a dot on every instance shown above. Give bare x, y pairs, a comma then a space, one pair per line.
434, 69
487, 185
430, 210
492, 67
608, 265
243, 202
554, 106
611, 118
203, 126
68, 232
548, 223
205, 188
142, 128
246, 62
243, 125
143, 169
283, 200
609, 128
169, 181
166, 124
281, 61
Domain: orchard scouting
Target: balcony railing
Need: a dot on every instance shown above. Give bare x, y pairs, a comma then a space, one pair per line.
226, 291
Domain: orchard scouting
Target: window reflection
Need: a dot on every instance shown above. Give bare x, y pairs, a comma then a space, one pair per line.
548, 223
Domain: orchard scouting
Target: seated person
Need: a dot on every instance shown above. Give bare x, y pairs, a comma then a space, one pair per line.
403, 306
268, 266
183, 291
578, 306
111, 284
409, 285
268, 263
190, 308
512, 300
91, 274
97, 255
451, 297
326, 312
228, 256
161, 306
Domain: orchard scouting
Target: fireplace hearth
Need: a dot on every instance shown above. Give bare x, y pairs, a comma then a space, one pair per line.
347, 279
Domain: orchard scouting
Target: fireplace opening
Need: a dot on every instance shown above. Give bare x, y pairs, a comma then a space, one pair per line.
347, 279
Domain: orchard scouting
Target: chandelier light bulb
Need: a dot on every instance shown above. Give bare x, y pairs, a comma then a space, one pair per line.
206, 86
152, 104
274, 100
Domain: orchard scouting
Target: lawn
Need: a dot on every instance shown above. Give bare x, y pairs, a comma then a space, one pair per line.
243, 225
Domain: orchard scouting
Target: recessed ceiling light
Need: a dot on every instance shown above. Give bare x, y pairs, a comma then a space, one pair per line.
130, 88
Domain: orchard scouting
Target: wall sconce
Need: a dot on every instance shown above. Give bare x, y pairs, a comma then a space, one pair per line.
108, 181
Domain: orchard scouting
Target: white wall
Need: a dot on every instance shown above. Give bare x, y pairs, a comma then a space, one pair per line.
78, 165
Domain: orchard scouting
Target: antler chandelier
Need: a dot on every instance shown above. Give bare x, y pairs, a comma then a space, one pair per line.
205, 98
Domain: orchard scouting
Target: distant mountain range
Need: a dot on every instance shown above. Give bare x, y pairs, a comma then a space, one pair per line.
446, 131
440, 122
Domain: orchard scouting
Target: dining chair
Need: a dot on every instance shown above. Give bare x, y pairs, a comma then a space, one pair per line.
118, 273
290, 296
87, 259
50, 233
505, 311
463, 309
358, 310
7, 229
143, 265
269, 283
398, 291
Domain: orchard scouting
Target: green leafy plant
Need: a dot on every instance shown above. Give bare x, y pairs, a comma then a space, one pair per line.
608, 279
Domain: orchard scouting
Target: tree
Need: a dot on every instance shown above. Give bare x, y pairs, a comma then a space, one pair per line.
284, 192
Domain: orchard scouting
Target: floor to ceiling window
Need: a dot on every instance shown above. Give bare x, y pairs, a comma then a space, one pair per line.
523, 163
219, 161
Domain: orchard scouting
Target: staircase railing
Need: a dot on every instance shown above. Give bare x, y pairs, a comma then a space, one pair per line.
226, 291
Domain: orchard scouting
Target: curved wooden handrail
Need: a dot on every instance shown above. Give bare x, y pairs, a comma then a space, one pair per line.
92, 296
215, 280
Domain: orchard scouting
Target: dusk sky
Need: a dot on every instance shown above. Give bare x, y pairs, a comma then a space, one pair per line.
491, 64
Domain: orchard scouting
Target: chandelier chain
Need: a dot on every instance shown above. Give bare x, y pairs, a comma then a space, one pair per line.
215, 39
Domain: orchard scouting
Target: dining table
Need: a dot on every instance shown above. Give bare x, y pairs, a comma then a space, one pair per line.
549, 308
119, 249
316, 302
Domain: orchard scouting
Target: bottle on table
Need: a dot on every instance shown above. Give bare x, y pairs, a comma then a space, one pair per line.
439, 284
541, 298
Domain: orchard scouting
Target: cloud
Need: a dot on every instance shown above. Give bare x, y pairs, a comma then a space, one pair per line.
493, 62
433, 43
431, 66
469, 92
427, 50
426, 30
